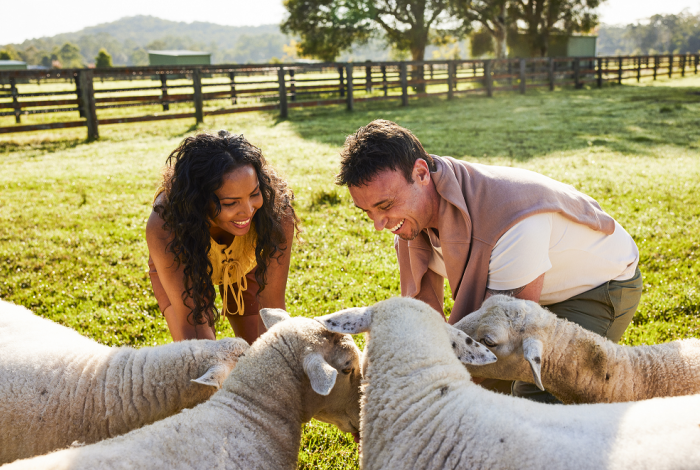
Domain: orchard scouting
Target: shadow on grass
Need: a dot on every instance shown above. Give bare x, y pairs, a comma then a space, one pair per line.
627, 119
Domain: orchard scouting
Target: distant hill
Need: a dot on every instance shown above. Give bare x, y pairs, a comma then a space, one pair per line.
128, 39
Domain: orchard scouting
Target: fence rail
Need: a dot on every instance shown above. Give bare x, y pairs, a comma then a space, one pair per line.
96, 97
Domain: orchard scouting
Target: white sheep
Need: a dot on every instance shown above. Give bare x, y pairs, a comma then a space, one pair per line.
57, 387
575, 365
295, 371
420, 410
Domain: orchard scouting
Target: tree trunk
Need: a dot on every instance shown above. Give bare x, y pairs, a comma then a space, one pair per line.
418, 54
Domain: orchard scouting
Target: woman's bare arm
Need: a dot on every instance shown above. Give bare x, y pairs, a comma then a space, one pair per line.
278, 271
172, 278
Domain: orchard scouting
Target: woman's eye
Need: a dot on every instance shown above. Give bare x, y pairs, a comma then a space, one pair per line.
347, 371
256, 194
488, 342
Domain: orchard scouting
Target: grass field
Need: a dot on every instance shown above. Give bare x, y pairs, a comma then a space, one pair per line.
72, 214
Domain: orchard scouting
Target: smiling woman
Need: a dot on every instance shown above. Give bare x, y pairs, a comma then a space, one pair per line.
222, 216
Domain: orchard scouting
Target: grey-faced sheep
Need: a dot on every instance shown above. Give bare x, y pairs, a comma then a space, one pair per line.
295, 371
420, 410
575, 365
57, 387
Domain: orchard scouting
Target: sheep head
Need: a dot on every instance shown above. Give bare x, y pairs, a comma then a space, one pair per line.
331, 362
514, 330
359, 319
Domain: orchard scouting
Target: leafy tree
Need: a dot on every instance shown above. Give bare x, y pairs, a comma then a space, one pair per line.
103, 59
69, 56
542, 18
9, 53
491, 15
329, 27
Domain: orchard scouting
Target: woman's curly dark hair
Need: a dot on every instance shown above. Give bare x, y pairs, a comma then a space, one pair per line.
195, 169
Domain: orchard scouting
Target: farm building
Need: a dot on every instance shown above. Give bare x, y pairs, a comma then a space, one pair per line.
179, 58
12, 65
559, 46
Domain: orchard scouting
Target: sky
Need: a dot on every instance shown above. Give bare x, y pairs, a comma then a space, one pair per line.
38, 18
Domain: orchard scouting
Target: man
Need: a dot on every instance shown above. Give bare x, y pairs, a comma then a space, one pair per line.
492, 230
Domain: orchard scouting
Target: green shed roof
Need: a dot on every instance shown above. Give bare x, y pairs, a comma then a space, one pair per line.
12, 65
179, 58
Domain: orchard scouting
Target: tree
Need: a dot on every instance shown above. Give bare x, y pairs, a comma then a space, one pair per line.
491, 15
329, 27
9, 53
541, 18
69, 56
103, 59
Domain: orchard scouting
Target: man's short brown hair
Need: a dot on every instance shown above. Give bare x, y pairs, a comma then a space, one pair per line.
378, 146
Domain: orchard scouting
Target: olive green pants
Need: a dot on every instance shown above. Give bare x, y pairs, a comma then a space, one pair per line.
606, 310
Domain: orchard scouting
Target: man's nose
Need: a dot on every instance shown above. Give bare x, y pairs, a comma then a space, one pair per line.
379, 223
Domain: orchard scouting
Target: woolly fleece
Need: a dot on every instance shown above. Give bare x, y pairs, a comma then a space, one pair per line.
578, 366
253, 422
421, 411
57, 387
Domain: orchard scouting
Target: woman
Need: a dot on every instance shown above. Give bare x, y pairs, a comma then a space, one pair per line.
222, 216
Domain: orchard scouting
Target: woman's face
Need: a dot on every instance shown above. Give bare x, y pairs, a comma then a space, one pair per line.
240, 198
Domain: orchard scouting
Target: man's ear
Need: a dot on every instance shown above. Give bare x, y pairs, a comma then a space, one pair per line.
421, 172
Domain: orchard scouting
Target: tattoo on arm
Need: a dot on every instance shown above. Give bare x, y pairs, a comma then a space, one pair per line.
512, 292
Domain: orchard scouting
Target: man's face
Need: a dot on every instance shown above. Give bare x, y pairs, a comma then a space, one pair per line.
394, 204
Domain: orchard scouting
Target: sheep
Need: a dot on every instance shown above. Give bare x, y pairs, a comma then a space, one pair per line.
295, 371
421, 410
576, 365
57, 387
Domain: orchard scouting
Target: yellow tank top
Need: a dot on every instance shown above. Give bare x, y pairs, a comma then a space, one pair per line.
231, 264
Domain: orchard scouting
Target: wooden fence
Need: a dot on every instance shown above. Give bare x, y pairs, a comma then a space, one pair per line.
95, 97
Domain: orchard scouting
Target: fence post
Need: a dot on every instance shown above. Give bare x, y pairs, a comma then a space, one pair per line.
292, 86
164, 91
198, 99
656, 65
342, 81
510, 73
600, 73
619, 70
577, 74
385, 85
78, 94
488, 79
232, 77
404, 84
683, 65
639, 69
87, 98
521, 85
284, 113
550, 73
368, 78
450, 79
15, 101
697, 59
349, 100
670, 66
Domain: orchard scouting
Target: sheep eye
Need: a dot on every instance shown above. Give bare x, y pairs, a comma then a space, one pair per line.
487, 341
347, 371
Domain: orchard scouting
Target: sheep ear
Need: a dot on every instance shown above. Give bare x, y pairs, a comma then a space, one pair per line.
321, 375
272, 316
214, 376
349, 321
532, 350
467, 350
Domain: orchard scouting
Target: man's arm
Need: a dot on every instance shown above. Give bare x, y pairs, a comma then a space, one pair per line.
531, 291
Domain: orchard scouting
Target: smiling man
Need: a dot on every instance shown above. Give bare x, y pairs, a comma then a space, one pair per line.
492, 230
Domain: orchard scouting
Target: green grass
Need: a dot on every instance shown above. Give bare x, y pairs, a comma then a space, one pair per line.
72, 214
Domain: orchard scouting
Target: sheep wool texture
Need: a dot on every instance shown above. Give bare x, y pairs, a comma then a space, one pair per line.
253, 422
578, 366
58, 387
422, 411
